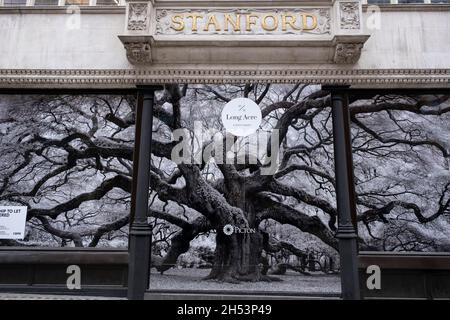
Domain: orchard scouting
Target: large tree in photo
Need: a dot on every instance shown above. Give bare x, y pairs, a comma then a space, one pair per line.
69, 159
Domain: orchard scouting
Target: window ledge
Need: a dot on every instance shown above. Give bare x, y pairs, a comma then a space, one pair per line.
410, 7
61, 9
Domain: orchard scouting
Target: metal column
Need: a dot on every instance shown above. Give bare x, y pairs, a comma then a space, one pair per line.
140, 233
346, 233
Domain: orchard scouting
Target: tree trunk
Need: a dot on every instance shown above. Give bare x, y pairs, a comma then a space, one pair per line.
238, 256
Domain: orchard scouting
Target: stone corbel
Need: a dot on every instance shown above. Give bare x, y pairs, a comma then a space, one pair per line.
348, 48
138, 48
347, 53
349, 38
136, 39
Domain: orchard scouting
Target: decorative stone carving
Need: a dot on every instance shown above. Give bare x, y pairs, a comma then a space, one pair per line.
324, 23
160, 15
349, 12
306, 21
138, 52
229, 34
347, 53
128, 78
138, 16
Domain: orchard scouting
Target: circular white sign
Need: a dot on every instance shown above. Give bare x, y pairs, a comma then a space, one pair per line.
241, 117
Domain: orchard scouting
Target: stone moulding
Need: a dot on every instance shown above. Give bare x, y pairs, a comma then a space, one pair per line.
129, 78
259, 32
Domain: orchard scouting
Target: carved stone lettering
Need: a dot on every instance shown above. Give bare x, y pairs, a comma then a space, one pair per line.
243, 21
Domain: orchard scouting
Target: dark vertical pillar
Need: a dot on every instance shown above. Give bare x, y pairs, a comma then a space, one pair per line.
346, 233
311, 262
140, 233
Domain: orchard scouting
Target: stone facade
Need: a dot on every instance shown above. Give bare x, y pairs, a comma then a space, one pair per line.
283, 34
40, 52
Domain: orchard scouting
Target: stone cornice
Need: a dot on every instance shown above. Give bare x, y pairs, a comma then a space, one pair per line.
121, 9
91, 79
236, 3
419, 7
61, 10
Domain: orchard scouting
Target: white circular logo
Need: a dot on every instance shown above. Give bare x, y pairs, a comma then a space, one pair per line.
241, 117
228, 229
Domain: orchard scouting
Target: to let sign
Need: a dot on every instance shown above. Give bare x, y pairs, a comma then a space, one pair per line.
12, 222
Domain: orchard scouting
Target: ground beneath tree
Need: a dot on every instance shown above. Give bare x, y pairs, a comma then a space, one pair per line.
192, 279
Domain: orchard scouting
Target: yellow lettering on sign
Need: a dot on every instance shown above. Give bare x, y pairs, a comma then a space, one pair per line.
271, 22
249, 22
194, 18
177, 23
306, 26
288, 20
236, 23
212, 20
274, 22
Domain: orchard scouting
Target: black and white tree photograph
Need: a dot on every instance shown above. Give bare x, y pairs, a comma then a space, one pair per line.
229, 225
225, 158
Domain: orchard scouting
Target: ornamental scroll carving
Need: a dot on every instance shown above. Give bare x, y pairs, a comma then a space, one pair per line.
138, 16
235, 21
350, 18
